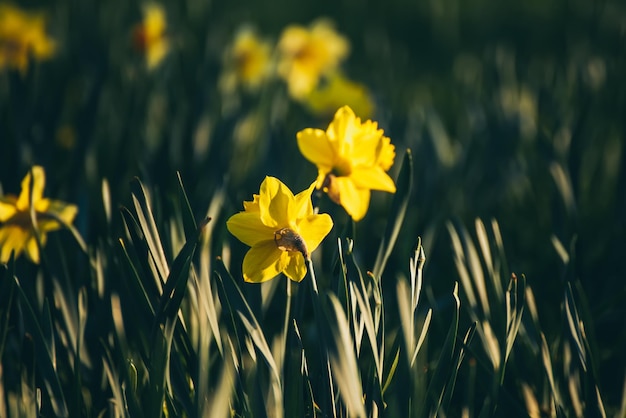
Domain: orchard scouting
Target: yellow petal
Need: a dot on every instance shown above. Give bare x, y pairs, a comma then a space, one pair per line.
32, 249
12, 238
7, 208
252, 206
315, 147
248, 228
342, 129
274, 202
373, 178
296, 269
64, 211
354, 200
37, 188
263, 262
314, 229
301, 206
366, 138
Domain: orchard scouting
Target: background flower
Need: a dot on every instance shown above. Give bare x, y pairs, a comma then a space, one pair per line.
150, 35
17, 232
307, 54
247, 61
352, 158
282, 230
22, 35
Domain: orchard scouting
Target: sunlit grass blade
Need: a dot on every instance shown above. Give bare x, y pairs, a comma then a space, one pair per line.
467, 340
7, 291
594, 403
399, 205
189, 223
239, 311
145, 217
298, 395
515, 302
166, 319
344, 363
44, 346
437, 386
141, 264
219, 406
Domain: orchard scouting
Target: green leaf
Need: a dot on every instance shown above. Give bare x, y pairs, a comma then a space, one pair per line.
396, 214
437, 386
343, 361
148, 227
7, 290
189, 222
45, 352
165, 321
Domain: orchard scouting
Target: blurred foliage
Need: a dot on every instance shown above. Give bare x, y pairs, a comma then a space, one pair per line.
511, 111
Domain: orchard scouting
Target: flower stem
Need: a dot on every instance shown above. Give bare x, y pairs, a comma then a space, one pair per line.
319, 320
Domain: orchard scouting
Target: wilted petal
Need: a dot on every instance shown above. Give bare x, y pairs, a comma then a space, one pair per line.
296, 269
248, 228
373, 178
263, 262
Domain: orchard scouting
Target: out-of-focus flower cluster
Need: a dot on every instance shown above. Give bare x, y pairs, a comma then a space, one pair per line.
307, 59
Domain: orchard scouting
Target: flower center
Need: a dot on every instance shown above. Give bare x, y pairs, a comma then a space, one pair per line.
330, 188
287, 240
21, 219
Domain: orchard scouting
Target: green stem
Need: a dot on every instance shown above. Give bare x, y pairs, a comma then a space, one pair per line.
319, 320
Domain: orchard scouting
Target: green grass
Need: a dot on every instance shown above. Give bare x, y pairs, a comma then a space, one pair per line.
490, 284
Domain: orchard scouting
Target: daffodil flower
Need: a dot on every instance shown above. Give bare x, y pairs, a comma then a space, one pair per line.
306, 54
247, 61
22, 36
352, 159
337, 90
17, 232
282, 230
149, 36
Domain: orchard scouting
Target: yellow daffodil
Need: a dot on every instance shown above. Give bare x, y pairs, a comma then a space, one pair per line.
336, 91
247, 61
17, 232
352, 158
150, 37
307, 54
22, 36
282, 230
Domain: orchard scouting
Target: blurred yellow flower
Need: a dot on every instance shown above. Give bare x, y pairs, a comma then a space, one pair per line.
307, 54
22, 36
247, 62
352, 158
337, 91
150, 37
282, 230
17, 232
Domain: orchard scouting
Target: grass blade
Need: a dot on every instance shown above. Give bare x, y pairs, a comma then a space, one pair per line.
396, 213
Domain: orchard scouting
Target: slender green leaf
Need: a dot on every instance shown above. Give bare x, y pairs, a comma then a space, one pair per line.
43, 338
396, 214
